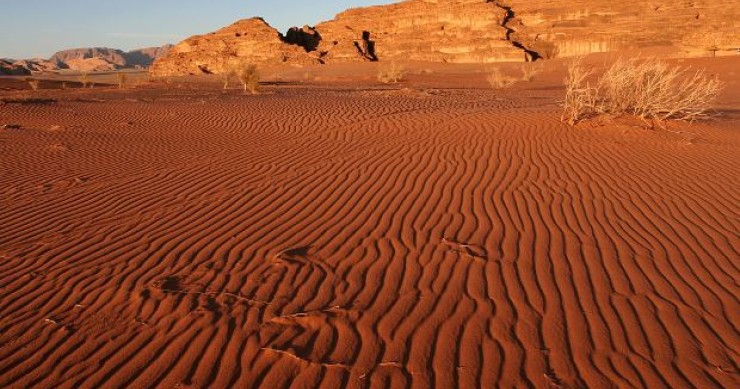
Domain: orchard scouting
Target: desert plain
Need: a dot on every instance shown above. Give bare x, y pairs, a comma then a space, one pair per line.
333, 231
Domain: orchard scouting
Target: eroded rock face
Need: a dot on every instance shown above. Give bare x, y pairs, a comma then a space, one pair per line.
145, 57
249, 39
458, 31
468, 31
425, 30
578, 27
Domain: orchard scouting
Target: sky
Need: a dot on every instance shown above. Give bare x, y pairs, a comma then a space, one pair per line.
39, 28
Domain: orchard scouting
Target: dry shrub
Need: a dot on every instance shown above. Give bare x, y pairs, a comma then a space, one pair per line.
247, 74
530, 70
84, 79
34, 83
498, 80
391, 73
580, 96
122, 78
227, 76
647, 88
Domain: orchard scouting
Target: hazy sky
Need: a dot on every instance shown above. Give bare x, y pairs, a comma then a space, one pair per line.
38, 28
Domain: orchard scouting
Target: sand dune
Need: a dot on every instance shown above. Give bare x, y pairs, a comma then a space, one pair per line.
335, 237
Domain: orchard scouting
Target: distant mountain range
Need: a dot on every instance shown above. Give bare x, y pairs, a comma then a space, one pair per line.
85, 59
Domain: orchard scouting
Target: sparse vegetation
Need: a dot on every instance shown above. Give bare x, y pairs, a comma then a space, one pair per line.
249, 77
391, 73
530, 70
34, 83
497, 79
122, 79
647, 88
580, 96
227, 76
84, 79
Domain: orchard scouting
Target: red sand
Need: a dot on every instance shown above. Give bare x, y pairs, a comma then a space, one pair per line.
345, 234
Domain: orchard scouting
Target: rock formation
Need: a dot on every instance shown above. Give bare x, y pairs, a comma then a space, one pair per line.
249, 39
77, 58
145, 57
577, 27
468, 31
101, 58
25, 67
11, 68
88, 59
460, 31
423, 30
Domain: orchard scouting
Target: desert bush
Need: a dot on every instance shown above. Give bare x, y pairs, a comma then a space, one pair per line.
122, 79
391, 73
227, 77
580, 96
647, 88
34, 83
530, 70
653, 89
248, 76
84, 79
498, 80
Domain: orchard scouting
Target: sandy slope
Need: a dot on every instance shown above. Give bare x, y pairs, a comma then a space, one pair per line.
330, 236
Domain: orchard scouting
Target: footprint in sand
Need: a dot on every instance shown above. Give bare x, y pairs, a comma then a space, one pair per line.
470, 250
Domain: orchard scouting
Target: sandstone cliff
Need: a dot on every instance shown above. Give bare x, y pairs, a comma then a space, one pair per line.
577, 27
461, 31
469, 31
251, 39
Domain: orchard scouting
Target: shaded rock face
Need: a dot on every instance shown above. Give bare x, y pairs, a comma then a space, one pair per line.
145, 57
12, 68
306, 37
249, 39
578, 27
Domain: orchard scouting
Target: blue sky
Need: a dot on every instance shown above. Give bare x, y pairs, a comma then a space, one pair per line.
38, 28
